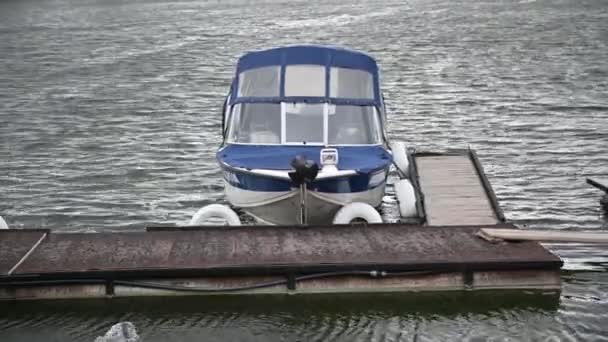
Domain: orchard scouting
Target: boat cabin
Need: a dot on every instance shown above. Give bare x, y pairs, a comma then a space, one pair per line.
305, 95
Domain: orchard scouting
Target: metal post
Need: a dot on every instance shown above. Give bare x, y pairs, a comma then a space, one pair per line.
303, 211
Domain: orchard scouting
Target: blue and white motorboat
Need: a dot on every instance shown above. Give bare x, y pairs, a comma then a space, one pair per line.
303, 130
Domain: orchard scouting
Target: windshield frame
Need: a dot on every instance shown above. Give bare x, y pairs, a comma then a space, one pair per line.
378, 130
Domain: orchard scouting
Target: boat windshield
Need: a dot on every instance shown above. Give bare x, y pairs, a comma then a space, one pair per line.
304, 123
255, 123
353, 125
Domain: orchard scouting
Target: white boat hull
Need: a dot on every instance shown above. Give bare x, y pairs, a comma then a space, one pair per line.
283, 207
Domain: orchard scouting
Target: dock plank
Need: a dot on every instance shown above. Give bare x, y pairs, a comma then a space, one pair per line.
271, 249
453, 191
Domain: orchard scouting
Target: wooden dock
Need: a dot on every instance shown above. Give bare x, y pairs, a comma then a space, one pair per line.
454, 190
385, 257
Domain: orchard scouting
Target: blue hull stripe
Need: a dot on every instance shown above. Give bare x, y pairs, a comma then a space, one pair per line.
347, 184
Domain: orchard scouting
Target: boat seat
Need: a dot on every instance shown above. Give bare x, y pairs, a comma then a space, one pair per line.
264, 137
350, 134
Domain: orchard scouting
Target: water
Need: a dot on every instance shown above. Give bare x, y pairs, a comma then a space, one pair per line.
110, 117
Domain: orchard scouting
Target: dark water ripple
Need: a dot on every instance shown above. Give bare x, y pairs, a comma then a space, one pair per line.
109, 120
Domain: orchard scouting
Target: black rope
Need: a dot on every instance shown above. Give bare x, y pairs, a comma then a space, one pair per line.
157, 286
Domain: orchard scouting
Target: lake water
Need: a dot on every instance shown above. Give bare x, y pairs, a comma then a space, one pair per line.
110, 118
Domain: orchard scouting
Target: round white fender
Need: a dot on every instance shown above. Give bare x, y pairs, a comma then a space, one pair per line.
357, 210
3, 224
406, 198
400, 157
215, 210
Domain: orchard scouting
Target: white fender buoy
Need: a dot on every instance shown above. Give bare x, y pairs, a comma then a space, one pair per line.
218, 211
400, 157
406, 198
3, 224
357, 210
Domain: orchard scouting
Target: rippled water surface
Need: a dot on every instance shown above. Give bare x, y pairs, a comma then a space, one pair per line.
109, 120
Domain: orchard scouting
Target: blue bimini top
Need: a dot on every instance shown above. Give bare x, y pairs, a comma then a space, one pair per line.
307, 73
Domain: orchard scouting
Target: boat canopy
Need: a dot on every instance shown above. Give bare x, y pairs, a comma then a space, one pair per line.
310, 73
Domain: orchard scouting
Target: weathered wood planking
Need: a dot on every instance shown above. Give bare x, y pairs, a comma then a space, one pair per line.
14, 246
498, 234
453, 191
81, 265
264, 250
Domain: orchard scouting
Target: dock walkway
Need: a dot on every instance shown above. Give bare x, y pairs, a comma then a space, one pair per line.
455, 190
449, 258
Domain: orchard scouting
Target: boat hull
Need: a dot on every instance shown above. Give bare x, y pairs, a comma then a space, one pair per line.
258, 180
283, 207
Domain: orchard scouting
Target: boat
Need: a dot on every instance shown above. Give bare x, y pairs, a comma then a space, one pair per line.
303, 134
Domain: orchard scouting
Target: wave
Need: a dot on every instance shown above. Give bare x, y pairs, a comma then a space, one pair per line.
333, 20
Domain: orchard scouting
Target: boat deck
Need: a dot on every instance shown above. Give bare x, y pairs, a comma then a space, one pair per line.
454, 190
413, 257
